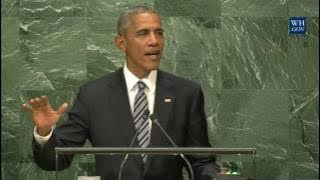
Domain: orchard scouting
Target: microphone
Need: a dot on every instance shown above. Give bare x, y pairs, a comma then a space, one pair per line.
145, 116
155, 121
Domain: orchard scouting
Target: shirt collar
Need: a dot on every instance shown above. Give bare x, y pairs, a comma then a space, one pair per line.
131, 79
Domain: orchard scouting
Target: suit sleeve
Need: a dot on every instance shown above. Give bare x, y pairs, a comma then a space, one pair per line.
205, 167
72, 133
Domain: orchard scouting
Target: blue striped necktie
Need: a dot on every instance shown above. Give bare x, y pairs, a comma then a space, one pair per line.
140, 119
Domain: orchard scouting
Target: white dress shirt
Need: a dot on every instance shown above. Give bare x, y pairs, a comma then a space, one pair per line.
132, 89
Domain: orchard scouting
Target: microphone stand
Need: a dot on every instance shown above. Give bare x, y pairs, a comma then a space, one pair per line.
145, 115
154, 120
126, 157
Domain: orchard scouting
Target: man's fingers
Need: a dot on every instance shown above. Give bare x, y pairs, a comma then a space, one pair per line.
34, 103
27, 107
62, 108
44, 101
38, 102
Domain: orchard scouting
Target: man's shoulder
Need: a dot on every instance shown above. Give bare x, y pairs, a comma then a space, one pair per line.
177, 80
103, 81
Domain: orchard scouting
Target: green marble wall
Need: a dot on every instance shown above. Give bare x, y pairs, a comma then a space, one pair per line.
260, 83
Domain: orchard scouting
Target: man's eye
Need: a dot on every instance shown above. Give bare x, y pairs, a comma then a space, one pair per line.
160, 33
142, 33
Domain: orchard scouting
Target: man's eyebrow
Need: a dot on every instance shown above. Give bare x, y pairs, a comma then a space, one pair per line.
147, 30
142, 30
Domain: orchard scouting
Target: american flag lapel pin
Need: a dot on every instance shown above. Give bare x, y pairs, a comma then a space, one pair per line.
167, 100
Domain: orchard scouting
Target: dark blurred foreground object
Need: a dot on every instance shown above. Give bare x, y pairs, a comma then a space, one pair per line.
229, 177
231, 171
232, 177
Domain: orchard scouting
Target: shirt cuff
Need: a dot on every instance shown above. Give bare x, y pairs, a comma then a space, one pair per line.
41, 140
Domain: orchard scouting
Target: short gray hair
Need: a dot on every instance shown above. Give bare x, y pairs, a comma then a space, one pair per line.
125, 18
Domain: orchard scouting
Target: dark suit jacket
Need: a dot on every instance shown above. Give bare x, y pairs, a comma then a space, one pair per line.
101, 113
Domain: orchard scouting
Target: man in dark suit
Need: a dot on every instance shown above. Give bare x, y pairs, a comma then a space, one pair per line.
112, 110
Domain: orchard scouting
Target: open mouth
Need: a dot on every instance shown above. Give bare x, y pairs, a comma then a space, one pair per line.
153, 55
150, 53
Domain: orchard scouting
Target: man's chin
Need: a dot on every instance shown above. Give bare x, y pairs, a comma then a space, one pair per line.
149, 69
153, 66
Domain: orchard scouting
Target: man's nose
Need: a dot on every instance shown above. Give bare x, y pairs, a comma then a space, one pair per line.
153, 39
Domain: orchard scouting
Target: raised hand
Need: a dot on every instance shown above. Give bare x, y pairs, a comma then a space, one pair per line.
42, 114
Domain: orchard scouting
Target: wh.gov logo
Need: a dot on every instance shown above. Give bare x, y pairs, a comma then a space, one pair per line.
297, 25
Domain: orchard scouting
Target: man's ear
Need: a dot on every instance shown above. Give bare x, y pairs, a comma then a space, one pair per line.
120, 43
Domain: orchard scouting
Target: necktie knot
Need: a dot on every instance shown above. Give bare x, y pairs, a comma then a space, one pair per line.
141, 85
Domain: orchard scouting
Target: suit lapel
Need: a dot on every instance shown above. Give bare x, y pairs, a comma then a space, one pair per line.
164, 100
121, 107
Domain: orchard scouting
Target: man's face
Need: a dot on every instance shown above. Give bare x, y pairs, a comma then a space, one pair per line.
142, 43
